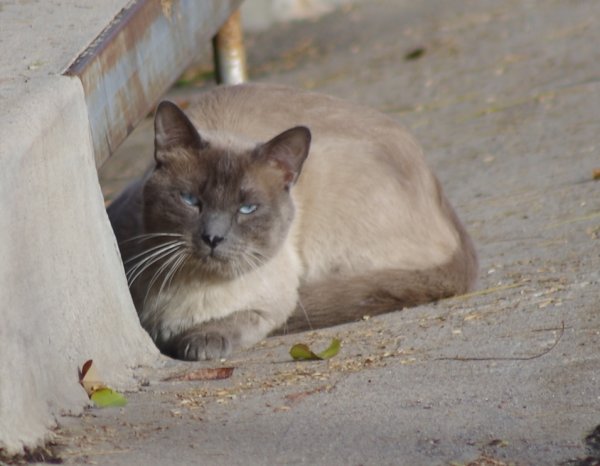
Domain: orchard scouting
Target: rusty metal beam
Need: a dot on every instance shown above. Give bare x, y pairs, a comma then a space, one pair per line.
229, 52
137, 58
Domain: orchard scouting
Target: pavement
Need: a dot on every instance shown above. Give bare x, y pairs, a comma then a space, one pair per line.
504, 97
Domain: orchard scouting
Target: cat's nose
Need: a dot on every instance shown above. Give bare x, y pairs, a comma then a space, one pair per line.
212, 241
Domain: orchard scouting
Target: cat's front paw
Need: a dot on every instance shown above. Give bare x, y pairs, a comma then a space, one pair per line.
198, 346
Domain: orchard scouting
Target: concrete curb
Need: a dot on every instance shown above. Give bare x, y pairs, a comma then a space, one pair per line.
65, 295
66, 299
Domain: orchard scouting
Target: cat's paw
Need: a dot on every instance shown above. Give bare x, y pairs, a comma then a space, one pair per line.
199, 346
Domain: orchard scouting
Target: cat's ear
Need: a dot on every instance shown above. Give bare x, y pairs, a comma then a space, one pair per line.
287, 151
172, 128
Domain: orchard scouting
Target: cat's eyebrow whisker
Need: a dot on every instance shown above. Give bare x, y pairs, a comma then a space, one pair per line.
146, 236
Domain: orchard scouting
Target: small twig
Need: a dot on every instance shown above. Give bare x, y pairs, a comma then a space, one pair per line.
205, 373
486, 291
509, 358
585, 218
293, 398
93, 452
550, 329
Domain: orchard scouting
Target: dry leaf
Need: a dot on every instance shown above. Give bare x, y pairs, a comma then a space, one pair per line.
89, 378
99, 393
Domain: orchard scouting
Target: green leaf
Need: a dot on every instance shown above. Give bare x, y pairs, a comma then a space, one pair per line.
301, 352
334, 348
107, 397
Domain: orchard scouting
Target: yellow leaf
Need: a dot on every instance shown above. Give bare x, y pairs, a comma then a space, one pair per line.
99, 393
107, 397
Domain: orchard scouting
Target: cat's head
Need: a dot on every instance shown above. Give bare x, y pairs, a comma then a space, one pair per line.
232, 206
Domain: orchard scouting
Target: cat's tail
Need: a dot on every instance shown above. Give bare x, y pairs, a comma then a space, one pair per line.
337, 300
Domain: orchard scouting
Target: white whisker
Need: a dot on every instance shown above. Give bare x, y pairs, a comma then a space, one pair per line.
150, 259
301, 306
159, 271
133, 273
154, 248
254, 260
181, 257
146, 236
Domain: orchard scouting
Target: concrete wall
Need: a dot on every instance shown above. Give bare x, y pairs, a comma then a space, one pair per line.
64, 297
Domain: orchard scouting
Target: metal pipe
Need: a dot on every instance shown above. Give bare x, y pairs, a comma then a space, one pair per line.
229, 52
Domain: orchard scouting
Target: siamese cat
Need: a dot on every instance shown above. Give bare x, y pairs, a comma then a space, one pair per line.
273, 209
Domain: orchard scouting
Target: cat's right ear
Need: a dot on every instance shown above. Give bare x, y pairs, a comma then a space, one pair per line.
172, 128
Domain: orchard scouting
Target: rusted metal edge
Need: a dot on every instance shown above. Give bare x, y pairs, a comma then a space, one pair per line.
137, 57
118, 23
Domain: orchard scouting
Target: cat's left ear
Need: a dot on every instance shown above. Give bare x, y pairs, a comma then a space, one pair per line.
172, 128
287, 151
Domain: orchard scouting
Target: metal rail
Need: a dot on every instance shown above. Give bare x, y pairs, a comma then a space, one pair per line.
139, 55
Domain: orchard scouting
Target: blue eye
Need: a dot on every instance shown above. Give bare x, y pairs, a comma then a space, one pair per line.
248, 209
189, 199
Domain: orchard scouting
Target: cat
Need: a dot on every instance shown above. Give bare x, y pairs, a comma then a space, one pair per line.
269, 209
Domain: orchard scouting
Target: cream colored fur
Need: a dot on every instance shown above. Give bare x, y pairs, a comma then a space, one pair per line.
366, 202
363, 170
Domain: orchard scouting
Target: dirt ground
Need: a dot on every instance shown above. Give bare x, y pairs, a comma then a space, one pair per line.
504, 96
